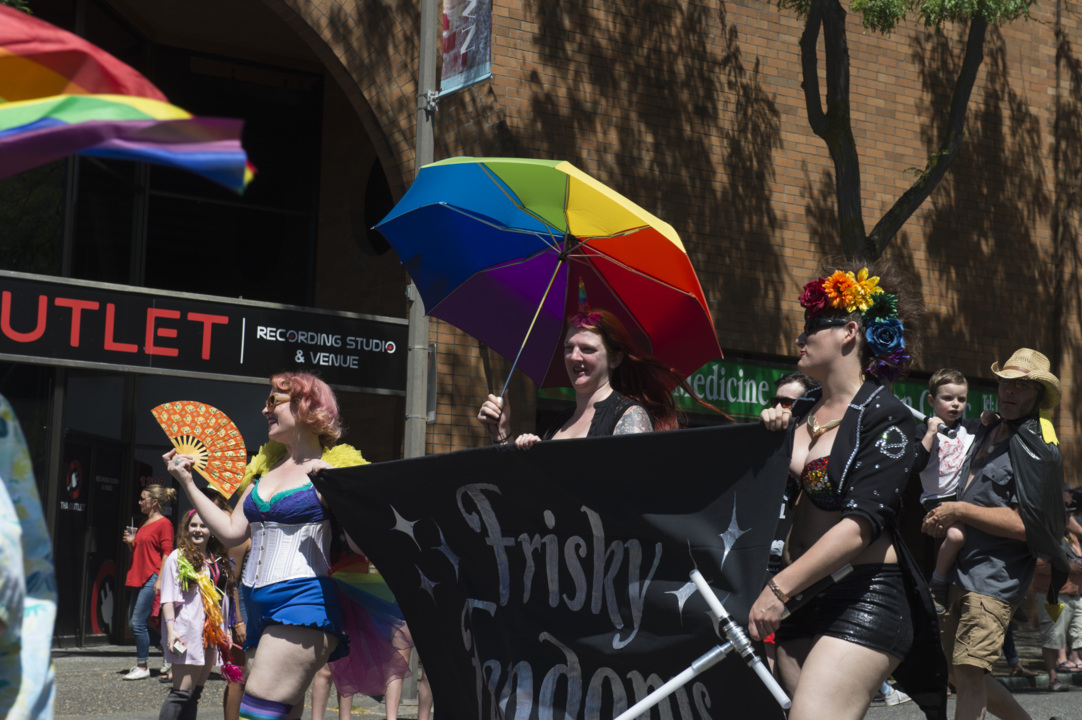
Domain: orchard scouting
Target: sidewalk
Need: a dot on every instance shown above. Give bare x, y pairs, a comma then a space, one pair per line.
90, 686
1028, 644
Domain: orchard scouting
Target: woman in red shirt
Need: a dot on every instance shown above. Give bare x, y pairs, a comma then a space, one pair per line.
150, 545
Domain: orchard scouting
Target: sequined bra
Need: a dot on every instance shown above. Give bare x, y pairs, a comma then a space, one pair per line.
817, 486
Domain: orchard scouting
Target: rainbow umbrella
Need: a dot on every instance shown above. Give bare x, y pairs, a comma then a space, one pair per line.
498, 246
59, 95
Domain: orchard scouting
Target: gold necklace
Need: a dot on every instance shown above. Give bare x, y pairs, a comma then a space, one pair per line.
816, 429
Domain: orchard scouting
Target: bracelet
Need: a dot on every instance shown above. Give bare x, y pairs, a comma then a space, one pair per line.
169, 619
237, 624
500, 440
777, 591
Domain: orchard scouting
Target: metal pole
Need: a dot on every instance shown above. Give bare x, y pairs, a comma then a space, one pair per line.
417, 360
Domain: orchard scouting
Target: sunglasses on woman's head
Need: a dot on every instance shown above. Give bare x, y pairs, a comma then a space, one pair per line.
813, 324
275, 399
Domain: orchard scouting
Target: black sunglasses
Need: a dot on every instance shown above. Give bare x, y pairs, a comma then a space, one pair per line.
1017, 384
813, 324
785, 402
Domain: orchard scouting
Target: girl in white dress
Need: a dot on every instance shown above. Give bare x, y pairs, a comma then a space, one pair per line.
193, 612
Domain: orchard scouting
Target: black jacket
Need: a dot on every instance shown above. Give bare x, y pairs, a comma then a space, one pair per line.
1038, 475
872, 459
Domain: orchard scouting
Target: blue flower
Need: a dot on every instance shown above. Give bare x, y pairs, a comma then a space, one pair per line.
884, 336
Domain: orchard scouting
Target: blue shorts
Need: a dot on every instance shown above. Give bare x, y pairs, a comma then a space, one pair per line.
305, 602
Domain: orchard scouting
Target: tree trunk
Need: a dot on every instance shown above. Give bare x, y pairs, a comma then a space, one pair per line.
834, 126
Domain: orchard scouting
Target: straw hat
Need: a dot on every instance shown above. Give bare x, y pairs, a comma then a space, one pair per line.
1031, 365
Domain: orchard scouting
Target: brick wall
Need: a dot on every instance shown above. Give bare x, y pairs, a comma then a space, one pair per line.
695, 111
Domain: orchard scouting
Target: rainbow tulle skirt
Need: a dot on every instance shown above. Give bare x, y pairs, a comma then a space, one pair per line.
377, 631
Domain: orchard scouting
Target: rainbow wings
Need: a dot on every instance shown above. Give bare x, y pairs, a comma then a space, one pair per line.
60, 94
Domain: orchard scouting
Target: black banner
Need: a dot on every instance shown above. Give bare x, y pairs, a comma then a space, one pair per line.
554, 582
57, 321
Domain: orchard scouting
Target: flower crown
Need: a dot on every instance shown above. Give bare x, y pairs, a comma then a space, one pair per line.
846, 292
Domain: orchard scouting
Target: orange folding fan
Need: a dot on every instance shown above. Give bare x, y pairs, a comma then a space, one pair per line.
208, 435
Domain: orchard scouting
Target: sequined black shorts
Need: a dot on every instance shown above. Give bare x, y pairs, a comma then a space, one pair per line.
870, 607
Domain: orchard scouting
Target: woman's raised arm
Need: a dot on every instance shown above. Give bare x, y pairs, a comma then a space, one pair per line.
231, 528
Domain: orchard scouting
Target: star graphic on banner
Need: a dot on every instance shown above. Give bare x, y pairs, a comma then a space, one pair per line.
427, 585
404, 526
730, 536
682, 595
447, 551
686, 592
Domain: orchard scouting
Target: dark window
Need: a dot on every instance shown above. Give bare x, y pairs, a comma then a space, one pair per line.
32, 220
105, 199
28, 389
204, 238
163, 228
377, 203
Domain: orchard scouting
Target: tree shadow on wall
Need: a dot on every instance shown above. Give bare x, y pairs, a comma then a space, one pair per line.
644, 91
368, 39
821, 210
983, 216
1067, 203
389, 29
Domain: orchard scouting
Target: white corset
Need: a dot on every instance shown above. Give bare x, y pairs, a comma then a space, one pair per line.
286, 552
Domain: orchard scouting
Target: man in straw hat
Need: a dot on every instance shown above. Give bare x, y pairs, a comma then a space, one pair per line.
1012, 507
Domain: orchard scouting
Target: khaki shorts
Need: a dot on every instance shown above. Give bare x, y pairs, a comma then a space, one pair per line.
973, 628
1056, 634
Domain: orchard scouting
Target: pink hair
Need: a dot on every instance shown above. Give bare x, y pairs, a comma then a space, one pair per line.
313, 403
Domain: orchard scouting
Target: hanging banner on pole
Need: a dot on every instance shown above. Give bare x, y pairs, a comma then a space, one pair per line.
467, 43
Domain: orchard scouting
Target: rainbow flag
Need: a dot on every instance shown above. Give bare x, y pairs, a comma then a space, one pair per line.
59, 95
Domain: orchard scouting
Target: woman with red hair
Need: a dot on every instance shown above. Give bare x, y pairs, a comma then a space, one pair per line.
295, 622
618, 389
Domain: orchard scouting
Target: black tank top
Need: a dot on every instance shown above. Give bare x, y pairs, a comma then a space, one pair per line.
607, 414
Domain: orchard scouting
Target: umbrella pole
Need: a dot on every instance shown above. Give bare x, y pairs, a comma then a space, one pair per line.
530, 329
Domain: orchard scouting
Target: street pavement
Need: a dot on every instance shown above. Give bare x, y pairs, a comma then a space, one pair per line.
1031, 693
90, 687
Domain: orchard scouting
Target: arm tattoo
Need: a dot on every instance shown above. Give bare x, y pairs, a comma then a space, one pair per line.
634, 420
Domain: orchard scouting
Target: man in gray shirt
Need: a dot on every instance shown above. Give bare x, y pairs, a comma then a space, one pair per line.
1012, 509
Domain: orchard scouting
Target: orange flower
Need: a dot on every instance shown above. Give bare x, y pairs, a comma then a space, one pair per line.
837, 287
850, 292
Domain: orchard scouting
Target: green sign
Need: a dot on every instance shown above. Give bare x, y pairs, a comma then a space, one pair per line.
740, 389
743, 389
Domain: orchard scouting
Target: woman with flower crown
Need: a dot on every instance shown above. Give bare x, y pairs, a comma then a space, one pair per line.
851, 450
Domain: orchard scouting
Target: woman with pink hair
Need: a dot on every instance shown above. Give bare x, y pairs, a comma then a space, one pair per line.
295, 621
